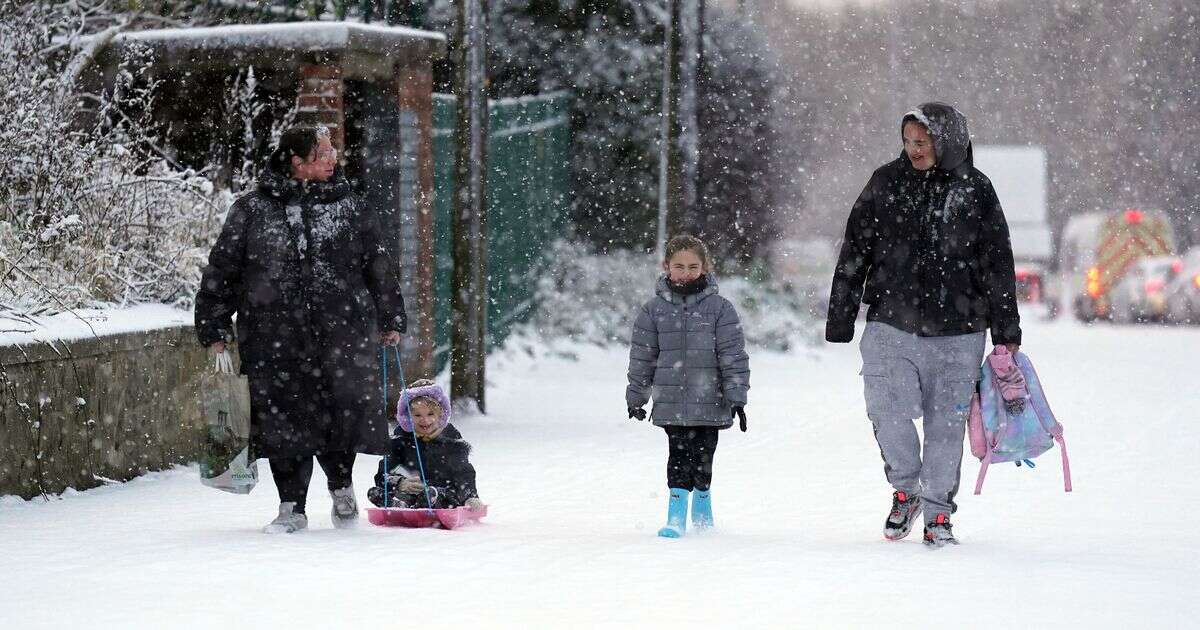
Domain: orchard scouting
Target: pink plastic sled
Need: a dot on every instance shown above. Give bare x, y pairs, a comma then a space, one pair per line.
448, 518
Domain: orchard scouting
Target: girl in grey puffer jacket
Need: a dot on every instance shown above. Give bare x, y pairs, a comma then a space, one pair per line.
688, 354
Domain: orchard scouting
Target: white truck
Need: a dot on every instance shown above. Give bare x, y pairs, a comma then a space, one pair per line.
1018, 174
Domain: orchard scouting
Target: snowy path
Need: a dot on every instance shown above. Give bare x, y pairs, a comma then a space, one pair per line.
577, 494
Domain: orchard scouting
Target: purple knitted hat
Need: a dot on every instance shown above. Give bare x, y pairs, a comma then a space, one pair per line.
432, 391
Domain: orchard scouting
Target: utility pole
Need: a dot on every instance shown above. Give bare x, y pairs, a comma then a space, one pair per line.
468, 334
664, 138
680, 93
688, 111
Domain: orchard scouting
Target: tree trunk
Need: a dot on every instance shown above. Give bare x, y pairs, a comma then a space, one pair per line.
468, 351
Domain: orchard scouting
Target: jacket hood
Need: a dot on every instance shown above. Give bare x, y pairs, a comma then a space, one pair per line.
951, 140
663, 290
284, 187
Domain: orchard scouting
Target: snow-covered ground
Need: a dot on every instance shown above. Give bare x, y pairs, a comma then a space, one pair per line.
577, 492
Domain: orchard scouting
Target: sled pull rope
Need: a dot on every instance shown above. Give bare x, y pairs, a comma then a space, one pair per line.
416, 440
386, 469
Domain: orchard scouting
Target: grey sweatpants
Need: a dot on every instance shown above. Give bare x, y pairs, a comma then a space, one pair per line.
905, 377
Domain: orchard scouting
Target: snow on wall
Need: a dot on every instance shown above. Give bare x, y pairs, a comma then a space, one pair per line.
86, 323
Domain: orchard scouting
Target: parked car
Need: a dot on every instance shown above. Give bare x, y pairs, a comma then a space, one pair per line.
1183, 292
1030, 282
1140, 295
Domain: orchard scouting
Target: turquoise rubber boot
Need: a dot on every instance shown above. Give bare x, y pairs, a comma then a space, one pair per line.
702, 509
677, 510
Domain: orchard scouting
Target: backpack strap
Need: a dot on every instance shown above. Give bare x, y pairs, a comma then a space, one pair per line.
995, 437
1066, 462
987, 459
1055, 430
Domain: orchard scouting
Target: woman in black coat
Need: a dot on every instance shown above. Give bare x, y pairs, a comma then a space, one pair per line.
299, 261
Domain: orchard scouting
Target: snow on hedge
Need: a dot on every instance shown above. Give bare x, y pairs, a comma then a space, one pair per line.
93, 211
590, 297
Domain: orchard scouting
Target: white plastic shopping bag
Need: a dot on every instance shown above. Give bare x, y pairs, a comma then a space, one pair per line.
225, 460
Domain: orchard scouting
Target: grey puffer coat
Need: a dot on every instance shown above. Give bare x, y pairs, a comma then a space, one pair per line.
688, 354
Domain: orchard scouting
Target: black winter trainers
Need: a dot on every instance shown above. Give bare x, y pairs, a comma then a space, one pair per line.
905, 509
938, 534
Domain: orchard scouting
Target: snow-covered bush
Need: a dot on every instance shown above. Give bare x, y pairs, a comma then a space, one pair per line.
593, 298
245, 126
93, 211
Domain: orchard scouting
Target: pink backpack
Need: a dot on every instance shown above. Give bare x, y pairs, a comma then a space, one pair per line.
1010, 419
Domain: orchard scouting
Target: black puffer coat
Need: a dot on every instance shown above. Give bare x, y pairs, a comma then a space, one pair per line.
302, 267
931, 246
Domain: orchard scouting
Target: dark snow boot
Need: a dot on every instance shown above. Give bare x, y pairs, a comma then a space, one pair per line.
905, 509
938, 534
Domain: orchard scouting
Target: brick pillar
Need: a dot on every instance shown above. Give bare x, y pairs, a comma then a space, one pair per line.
320, 99
414, 85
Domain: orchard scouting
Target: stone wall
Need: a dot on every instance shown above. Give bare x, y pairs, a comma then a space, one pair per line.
82, 413
74, 414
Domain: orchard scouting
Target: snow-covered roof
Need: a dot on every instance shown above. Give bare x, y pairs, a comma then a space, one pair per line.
373, 39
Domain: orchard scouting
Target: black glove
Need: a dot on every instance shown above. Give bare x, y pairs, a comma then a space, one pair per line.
375, 496
836, 332
739, 412
637, 412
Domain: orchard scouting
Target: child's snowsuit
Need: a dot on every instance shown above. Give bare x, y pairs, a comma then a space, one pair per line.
448, 470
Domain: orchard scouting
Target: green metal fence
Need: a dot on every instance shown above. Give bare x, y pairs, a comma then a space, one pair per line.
527, 196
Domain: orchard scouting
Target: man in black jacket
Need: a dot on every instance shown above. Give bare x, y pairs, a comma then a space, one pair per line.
927, 249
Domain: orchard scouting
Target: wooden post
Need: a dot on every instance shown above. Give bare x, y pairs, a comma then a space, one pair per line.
415, 89
468, 351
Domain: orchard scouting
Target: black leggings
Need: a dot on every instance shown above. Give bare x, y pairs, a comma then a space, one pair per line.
690, 456
292, 474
